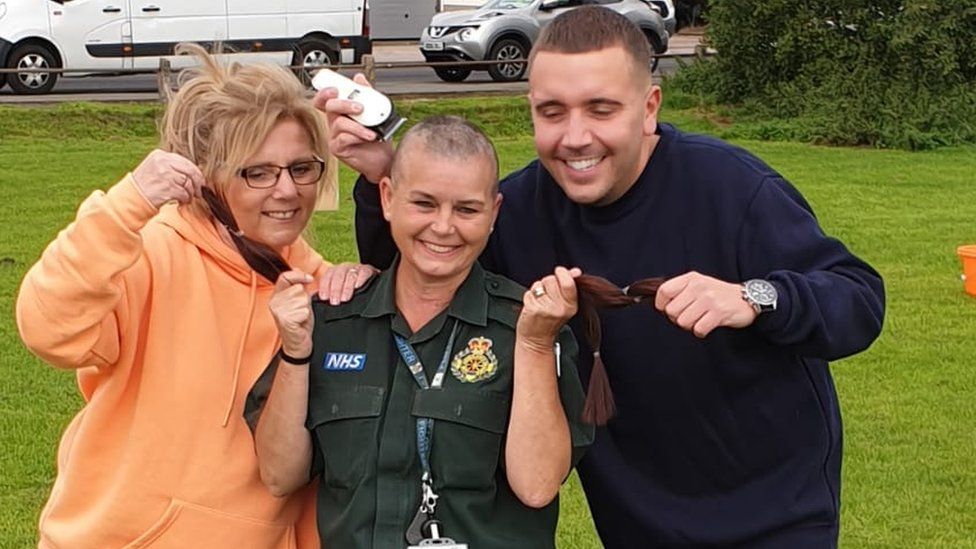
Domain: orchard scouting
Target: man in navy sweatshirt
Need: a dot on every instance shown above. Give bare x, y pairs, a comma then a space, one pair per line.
728, 431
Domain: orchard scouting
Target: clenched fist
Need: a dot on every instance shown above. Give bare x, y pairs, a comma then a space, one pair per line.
164, 176
291, 307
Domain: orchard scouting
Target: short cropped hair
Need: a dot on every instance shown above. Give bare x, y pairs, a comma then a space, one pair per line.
594, 28
223, 112
448, 137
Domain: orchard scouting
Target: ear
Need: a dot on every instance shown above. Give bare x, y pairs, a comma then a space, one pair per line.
386, 196
651, 108
494, 209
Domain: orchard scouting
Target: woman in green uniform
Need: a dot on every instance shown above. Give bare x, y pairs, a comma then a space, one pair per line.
441, 400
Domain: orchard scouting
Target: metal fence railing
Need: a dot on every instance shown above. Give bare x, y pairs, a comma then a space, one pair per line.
165, 72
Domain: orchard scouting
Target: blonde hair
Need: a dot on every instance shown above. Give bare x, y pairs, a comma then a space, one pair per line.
223, 112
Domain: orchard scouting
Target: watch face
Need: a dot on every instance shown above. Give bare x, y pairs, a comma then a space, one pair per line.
761, 292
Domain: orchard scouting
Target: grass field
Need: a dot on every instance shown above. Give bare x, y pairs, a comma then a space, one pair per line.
910, 420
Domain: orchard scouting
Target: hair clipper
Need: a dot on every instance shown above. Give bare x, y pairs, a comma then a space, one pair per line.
378, 112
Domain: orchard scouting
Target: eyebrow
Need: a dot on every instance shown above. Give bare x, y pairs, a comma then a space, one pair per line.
590, 103
298, 160
414, 195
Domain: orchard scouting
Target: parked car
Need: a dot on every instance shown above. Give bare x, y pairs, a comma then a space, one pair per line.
504, 30
106, 35
668, 13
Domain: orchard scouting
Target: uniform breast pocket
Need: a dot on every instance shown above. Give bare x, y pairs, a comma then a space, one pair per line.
344, 422
468, 431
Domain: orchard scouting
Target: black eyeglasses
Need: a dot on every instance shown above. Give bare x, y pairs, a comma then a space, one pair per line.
265, 176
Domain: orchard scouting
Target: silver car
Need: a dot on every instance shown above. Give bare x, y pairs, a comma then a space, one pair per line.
504, 30
668, 13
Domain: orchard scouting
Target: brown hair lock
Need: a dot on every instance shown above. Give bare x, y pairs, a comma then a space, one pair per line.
596, 292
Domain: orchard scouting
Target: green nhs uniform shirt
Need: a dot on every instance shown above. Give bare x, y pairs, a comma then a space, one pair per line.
363, 410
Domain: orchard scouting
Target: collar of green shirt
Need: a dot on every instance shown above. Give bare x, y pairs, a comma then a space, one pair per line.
470, 304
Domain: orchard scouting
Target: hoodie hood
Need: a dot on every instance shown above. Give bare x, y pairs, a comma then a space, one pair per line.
202, 233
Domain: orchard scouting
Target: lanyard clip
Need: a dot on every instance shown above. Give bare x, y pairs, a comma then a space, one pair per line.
428, 499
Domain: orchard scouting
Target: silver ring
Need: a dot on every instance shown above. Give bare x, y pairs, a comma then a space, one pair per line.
538, 291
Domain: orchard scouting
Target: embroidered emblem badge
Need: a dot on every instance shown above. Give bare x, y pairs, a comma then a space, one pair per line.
344, 362
476, 363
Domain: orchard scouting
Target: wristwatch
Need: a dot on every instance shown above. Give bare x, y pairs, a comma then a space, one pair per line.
760, 294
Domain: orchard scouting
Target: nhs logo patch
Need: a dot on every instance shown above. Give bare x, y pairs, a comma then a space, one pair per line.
344, 362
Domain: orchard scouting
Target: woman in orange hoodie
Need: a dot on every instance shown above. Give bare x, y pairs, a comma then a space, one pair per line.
147, 296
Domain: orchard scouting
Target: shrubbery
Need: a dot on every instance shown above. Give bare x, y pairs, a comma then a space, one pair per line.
885, 73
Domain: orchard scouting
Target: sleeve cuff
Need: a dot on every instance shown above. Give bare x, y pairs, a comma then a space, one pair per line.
773, 321
132, 207
365, 192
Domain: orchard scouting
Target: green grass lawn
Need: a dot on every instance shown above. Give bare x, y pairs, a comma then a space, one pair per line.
910, 422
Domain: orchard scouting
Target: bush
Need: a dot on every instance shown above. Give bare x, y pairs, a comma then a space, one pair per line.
886, 73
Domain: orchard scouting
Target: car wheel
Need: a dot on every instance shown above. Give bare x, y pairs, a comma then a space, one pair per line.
312, 54
32, 56
507, 49
3, 80
655, 42
452, 74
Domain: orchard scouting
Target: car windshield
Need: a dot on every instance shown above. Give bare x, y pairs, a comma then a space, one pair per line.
507, 4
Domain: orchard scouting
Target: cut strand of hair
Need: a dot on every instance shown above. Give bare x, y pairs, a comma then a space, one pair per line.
596, 292
260, 257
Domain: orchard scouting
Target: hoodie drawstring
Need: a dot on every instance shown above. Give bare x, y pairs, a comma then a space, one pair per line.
240, 348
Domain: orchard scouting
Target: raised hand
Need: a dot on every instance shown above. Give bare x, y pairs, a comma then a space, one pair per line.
700, 303
164, 176
291, 308
547, 305
354, 144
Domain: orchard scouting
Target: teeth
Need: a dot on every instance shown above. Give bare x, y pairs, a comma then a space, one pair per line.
584, 163
438, 249
281, 215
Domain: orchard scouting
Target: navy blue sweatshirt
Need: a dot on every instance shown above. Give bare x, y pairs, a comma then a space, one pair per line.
731, 440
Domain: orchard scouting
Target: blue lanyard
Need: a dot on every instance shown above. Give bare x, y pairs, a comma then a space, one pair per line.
425, 425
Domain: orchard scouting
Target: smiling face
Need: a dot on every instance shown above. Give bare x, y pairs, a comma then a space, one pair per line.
594, 132
441, 211
275, 216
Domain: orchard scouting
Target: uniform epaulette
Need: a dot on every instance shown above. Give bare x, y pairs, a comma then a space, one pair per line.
499, 286
505, 304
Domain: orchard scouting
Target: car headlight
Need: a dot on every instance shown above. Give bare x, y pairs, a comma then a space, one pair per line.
466, 33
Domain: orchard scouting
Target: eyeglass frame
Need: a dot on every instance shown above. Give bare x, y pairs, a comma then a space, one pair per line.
242, 173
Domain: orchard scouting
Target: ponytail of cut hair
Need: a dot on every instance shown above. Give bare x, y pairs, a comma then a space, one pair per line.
594, 293
260, 257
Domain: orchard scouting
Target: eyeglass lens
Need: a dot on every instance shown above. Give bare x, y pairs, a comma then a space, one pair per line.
302, 173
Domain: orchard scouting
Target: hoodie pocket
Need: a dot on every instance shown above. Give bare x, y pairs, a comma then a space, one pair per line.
469, 428
185, 524
344, 421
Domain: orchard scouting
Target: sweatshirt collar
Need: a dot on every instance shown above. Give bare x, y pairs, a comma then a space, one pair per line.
647, 185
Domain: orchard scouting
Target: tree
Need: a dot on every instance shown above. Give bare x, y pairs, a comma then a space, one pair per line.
888, 73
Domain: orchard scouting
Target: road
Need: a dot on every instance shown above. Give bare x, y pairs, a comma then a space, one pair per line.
393, 81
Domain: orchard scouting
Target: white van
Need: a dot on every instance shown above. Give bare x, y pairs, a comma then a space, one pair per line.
135, 34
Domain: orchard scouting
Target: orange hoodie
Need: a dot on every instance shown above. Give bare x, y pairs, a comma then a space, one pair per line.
168, 329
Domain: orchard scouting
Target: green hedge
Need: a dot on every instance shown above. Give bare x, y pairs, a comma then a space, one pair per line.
885, 73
